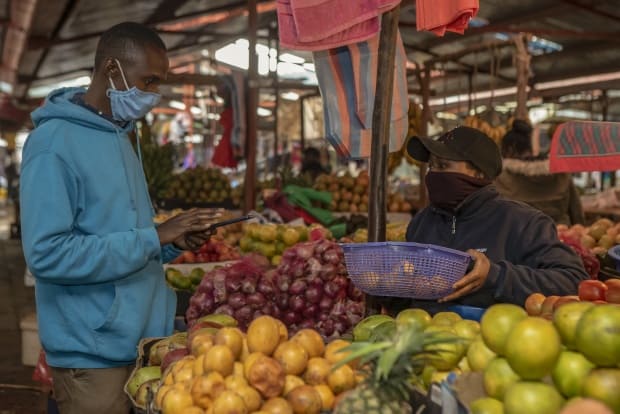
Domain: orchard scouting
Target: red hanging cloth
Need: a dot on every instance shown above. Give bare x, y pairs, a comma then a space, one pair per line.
223, 155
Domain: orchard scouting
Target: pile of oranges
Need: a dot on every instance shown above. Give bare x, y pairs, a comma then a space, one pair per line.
262, 371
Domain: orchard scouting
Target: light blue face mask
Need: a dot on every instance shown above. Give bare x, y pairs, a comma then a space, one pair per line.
131, 104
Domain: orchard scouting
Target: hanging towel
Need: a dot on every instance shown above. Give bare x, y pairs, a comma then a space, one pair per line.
347, 79
223, 155
439, 16
326, 24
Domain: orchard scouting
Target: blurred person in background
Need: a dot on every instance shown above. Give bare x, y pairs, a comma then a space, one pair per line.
87, 225
311, 164
526, 178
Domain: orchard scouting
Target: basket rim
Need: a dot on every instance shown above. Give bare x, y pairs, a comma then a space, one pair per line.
354, 246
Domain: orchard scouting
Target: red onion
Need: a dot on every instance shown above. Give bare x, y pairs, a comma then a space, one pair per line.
290, 317
314, 294
314, 268
332, 256
296, 303
256, 299
304, 250
340, 327
226, 310
326, 304
282, 301
269, 308
219, 286
237, 300
233, 282
323, 317
192, 314
206, 285
283, 281
244, 314
354, 293
328, 327
310, 311
277, 313
341, 281
331, 289
328, 271
307, 324
248, 284
298, 287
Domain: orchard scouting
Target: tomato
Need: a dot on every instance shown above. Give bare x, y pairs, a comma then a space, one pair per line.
533, 304
592, 290
612, 295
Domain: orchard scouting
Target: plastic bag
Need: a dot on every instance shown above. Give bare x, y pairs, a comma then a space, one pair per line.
42, 372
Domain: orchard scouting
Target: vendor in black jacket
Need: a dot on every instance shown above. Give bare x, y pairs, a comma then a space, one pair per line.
515, 248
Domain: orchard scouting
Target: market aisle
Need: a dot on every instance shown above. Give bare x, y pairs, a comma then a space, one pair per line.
17, 300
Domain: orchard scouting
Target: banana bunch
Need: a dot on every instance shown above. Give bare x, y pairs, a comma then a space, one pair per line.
496, 133
158, 165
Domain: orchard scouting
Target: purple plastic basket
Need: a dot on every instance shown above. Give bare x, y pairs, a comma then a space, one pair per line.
406, 270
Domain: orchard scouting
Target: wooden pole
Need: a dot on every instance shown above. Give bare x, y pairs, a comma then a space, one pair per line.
252, 105
380, 135
276, 88
302, 119
522, 65
426, 118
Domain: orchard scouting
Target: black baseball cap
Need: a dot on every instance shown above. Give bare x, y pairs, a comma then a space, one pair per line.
460, 144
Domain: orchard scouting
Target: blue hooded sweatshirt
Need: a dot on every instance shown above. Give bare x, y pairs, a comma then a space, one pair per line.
89, 239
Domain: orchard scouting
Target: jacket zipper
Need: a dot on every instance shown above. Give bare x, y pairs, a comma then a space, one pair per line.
453, 225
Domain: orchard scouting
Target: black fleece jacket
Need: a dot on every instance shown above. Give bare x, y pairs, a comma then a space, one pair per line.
520, 242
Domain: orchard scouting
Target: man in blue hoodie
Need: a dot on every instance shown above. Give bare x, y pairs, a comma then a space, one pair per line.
87, 225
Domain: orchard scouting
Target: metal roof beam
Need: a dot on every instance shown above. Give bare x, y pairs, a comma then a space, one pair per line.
592, 9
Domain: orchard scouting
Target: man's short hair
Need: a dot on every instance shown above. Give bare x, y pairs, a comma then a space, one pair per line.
124, 40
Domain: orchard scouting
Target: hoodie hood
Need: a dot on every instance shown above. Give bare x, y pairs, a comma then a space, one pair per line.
527, 168
59, 105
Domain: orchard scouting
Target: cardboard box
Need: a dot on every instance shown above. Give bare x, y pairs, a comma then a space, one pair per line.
31, 345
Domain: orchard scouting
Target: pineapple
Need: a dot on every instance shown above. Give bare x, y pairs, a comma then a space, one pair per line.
391, 364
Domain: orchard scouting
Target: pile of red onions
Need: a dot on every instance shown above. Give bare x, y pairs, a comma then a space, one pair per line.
309, 289
590, 262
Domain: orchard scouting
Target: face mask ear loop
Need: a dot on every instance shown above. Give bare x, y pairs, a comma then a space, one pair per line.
122, 73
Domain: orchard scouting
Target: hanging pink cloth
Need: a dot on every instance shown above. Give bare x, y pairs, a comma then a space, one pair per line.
327, 24
439, 16
223, 155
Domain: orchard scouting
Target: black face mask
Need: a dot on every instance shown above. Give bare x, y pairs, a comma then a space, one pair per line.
446, 190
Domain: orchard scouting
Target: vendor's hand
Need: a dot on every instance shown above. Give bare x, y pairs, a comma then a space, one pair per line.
473, 280
193, 241
195, 221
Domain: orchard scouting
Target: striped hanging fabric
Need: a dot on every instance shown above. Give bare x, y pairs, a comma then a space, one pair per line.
347, 78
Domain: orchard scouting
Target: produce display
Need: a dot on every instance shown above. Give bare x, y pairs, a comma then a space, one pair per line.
199, 186
350, 194
216, 249
602, 235
532, 365
271, 240
393, 232
220, 369
594, 291
180, 280
309, 289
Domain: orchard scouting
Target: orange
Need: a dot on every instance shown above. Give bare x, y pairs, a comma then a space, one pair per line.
229, 403
206, 388
251, 397
532, 398
341, 379
486, 406
263, 335
497, 323
250, 360
311, 341
565, 319
479, 355
570, 372
192, 410
201, 341
467, 329
219, 359
290, 383
598, 335
317, 371
198, 365
533, 348
445, 355
604, 385
232, 338
305, 400
282, 331
277, 405
333, 351
445, 318
267, 376
414, 317
176, 400
327, 396
234, 382
292, 356
498, 377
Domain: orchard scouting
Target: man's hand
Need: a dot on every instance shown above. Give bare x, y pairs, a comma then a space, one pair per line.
472, 281
195, 223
